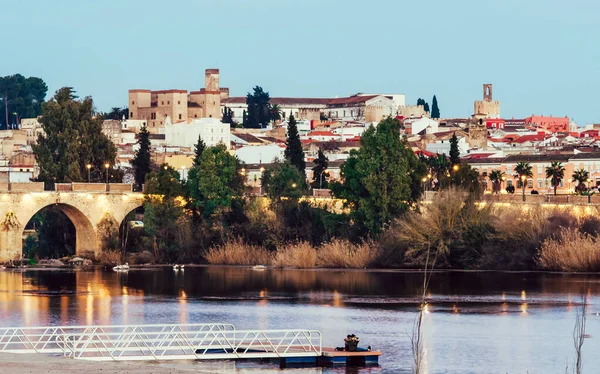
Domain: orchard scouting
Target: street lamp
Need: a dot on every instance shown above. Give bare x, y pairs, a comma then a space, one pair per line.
321, 177
89, 167
523, 186
455, 167
294, 185
106, 166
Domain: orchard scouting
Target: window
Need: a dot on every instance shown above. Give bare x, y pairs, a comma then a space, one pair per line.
178, 102
133, 103
161, 122
529, 183
162, 103
540, 183
195, 116
540, 168
179, 115
509, 182
168, 103
130, 114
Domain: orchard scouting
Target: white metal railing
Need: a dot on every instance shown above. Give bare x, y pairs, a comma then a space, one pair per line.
160, 342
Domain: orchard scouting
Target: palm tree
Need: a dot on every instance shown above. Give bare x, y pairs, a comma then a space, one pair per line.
496, 178
556, 173
275, 112
581, 177
523, 170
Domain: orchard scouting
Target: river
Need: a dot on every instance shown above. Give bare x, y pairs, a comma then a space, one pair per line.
476, 322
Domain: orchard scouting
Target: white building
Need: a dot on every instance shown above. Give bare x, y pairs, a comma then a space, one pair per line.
416, 126
186, 133
260, 154
442, 146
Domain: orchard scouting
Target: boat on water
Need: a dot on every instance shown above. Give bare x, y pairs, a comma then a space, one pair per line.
259, 267
178, 267
121, 267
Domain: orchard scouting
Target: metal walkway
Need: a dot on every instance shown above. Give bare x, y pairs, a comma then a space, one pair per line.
161, 342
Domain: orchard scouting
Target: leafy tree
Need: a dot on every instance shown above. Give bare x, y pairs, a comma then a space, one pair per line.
259, 108
426, 107
496, 177
72, 138
376, 181
523, 171
199, 148
320, 173
55, 234
439, 167
163, 209
293, 151
454, 151
580, 176
283, 180
142, 161
556, 173
216, 182
465, 177
435, 110
20, 97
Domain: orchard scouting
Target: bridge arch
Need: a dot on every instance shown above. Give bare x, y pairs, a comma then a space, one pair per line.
84, 210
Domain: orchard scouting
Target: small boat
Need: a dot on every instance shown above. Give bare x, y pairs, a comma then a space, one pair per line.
176, 267
121, 267
259, 267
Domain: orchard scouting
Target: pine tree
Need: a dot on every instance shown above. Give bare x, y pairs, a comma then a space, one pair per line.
426, 105
435, 110
454, 151
141, 161
320, 175
294, 153
198, 149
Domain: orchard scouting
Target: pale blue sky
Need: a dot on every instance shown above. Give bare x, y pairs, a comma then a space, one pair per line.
542, 56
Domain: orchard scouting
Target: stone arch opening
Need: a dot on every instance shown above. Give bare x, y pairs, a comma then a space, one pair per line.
85, 236
130, 230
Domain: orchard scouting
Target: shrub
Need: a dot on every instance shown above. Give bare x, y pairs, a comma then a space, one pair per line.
109, 258
590, 225
236, 252
571, 251
142, 258
343, 254
301, 255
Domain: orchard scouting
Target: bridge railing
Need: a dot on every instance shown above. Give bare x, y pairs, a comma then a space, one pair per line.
68, 187
161, 342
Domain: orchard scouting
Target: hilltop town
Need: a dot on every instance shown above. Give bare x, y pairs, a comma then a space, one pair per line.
176, 118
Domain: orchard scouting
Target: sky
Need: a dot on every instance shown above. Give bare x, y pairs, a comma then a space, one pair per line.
542, 56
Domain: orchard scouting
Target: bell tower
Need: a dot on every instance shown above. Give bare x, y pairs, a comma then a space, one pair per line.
487, 92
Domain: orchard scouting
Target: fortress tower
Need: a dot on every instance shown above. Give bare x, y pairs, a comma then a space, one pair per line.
487, 107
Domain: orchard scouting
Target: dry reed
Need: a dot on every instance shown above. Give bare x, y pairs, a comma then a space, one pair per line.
571, 251
236, 252
343, 254
301, 256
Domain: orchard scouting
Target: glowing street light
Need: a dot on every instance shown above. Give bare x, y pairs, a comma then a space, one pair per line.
294, 185
89, 167
106, 166
455, 167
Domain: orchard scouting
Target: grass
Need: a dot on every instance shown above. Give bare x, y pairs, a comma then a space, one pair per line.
301, 256
335, 254
571, 251
343, 254
236, 252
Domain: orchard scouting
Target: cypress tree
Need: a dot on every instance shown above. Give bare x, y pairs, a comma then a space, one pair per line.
293, 152
141, 161
435, 110
426, 105
198, 149
454, 151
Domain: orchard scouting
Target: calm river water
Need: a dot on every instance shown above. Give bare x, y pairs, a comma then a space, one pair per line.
477, 322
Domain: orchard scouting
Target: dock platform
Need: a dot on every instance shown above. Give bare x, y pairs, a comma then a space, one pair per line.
289, 348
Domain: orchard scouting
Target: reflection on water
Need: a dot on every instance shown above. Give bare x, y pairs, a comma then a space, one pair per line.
504, 322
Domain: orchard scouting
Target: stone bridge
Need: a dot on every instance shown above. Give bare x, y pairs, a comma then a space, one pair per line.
86, 205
